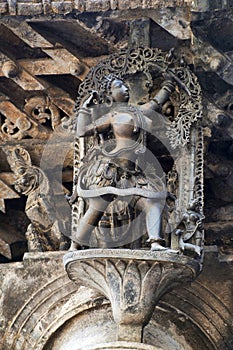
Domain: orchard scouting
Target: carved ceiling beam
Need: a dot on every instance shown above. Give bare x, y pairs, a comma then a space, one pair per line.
64, 57
176, 23
6, 192
9, 110
46, 66
41, 66
2, 205
11, 69
15, 71
62, 100
93, 61
18, 124
213, 60
8, 178
59, 54
26, 33
103, 30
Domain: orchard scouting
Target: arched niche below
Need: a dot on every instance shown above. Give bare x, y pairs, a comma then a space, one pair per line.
94, 329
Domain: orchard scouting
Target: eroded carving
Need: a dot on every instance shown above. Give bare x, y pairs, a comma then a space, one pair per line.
39, 119
17, 129
43, 110
43, 232
192, 221
16, 125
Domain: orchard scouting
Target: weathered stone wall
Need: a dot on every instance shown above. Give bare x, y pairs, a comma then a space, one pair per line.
37, 298
37, 7
42, 309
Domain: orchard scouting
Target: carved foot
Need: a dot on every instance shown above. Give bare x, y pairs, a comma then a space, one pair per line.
196, 249
74, 246
157, 246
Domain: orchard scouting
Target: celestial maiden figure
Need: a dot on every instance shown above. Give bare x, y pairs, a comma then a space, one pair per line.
111, 170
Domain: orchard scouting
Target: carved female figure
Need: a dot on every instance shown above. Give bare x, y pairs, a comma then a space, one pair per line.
113, 167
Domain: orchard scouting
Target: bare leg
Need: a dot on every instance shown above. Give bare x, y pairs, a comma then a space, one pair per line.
153, 210
86, 224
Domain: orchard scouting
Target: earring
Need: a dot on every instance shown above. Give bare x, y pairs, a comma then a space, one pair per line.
109, 101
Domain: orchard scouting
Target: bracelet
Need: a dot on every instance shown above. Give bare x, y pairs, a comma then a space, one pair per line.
157, 103
84, 110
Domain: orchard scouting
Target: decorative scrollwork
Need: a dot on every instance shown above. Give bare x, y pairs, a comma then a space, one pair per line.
153, 61
16, 130
190, 110
43, 110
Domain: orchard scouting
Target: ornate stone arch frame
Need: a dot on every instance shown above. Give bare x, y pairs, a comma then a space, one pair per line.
181, 136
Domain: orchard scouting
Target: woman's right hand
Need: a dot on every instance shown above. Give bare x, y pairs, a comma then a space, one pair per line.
91, 100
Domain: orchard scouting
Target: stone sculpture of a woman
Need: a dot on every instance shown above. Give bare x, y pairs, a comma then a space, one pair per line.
114, 167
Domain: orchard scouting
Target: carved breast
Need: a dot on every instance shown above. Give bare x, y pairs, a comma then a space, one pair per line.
124, 125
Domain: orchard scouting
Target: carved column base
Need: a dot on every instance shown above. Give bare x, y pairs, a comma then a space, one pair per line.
133, 281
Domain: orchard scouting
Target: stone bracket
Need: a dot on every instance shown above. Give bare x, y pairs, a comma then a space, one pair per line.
133, 281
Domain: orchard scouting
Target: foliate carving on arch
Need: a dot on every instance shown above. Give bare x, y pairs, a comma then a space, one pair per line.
153, 61
48, 305
190, 110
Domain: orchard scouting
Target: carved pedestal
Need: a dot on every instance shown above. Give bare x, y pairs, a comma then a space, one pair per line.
133, 281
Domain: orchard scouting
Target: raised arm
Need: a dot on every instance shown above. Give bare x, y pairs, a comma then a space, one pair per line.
87, 123
160, 98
